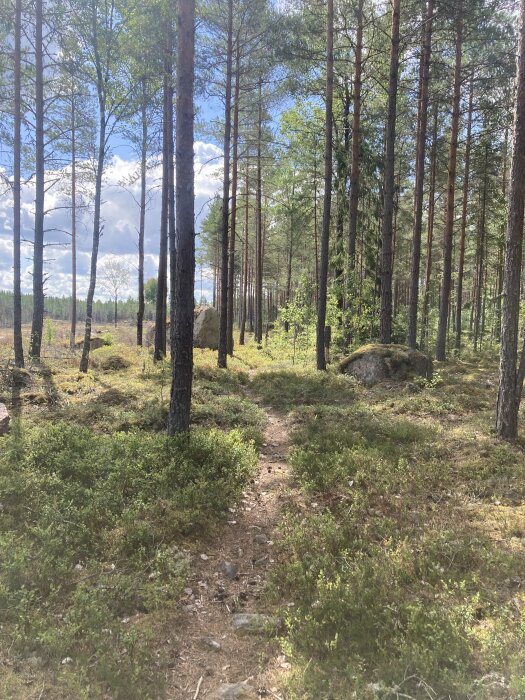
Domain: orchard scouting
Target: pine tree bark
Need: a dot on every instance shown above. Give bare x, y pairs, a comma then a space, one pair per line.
244, 293
430, 230
356, 134
389, 183
233, 225
162, 278
223, 323
509, 392
327, 197
38, 245
446, 282
84, 360
259, 229
17, 148
142, 210
183, 292
73, 327
480, 253
464, 211
101, 155
424, 70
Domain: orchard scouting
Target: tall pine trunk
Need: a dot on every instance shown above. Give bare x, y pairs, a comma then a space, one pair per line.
38, 246
184, 261
424, 69
223, 324
233, 225
244, 292
356, 129
84, 360
327, 197
389, 184
446, 282
17, 148
464, 212
162, 277
259, 229
430, 230
142, 210
511, 380
73, 327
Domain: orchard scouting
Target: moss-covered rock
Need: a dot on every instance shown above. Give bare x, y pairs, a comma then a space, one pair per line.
373, 363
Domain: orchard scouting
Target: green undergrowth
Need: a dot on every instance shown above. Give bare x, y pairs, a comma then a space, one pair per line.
96, 535
402, 571
125, 390
289, 388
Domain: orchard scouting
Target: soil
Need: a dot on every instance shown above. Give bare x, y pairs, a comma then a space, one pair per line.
200, 670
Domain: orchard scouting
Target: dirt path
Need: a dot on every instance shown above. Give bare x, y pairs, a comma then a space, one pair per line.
229, 578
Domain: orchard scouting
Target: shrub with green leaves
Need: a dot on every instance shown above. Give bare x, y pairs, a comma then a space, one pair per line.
93, 529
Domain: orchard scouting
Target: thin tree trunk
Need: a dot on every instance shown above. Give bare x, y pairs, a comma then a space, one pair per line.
501, 243
446, 282
183, 292
223, 324
481, 252
142, 214
84, 360
17, 147
38, 246
424, 69
244, 294
464, 210
259, 230
73, 328
389, 184
327, 197
162, 281
356, 128
430, 230
233, 226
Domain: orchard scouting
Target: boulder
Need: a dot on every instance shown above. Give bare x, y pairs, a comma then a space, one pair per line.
233, 691
206, 328
371, 364
255, 623
94, 343
4, 419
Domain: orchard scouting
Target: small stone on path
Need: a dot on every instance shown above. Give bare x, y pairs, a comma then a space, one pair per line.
229, 569
255, 623
232, 691
211, 643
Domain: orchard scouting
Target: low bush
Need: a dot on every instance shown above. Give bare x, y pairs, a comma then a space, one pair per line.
93, 529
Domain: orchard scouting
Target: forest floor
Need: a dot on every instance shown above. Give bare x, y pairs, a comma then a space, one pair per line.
381, 531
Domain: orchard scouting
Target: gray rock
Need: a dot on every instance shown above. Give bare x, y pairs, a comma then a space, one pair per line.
4, 419
255, 623
206, 328
232, 691
94, 343
229, 570
211, 643
371, 364
260, 538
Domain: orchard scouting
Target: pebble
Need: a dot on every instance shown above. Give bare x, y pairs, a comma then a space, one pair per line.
232, 691
261, 538
211, 643
229, 569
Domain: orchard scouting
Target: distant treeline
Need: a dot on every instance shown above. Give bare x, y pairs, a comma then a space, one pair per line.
59, 308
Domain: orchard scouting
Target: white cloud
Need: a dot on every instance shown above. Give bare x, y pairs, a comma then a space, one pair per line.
120, 214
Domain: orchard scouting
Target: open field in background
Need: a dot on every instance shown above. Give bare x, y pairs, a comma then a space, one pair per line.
400, 556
